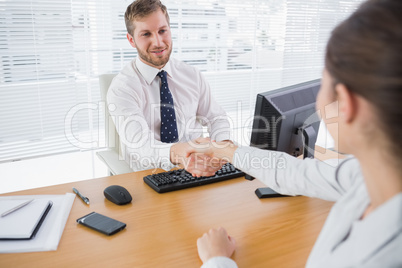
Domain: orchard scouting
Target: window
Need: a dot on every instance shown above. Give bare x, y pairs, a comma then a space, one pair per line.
53, 51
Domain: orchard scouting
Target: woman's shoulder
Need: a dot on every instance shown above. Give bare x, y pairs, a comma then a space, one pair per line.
348, 172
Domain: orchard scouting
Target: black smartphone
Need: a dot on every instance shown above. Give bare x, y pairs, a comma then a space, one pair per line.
101, 223
267, 192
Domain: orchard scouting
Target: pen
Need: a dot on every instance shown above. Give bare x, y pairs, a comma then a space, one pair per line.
85, 199
16, 208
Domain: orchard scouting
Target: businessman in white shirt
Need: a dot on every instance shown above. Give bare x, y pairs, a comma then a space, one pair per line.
135, 96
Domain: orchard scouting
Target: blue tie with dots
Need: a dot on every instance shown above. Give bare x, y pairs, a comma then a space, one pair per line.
168, 116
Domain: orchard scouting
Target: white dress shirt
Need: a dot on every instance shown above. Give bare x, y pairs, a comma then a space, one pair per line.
345, 240
134, 104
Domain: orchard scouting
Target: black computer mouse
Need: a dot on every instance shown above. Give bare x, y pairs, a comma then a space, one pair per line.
117, 194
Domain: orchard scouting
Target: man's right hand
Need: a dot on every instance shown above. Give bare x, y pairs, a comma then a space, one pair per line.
191, 156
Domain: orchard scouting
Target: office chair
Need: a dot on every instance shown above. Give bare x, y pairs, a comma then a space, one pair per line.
111, 156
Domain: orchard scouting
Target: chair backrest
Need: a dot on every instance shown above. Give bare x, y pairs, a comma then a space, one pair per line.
111, 135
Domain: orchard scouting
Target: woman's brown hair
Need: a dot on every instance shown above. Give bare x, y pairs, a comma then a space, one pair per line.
365, 54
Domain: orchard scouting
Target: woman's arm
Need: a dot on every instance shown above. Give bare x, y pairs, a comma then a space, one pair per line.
283, 172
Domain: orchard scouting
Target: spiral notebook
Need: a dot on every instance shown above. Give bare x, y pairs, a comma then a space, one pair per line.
25, 222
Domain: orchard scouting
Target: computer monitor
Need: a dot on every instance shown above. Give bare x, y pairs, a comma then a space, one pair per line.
285, 119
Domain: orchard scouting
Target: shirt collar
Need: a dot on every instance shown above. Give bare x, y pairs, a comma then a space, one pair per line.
148, 72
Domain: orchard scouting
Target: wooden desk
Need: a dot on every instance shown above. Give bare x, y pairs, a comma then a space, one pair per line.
162, 229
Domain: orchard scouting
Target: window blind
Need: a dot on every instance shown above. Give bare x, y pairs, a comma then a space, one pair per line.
52, 53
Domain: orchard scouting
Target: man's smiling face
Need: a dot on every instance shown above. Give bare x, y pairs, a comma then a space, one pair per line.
152, 39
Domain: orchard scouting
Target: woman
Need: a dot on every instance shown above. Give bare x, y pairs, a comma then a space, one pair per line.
363, 75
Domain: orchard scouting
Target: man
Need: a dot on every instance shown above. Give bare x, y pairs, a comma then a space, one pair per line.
157, 114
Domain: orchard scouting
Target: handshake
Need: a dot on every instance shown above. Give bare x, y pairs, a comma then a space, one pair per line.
202, 156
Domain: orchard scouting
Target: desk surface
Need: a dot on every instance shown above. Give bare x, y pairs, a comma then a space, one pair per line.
162, 229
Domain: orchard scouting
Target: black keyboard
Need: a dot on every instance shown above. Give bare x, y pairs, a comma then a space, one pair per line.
181, 179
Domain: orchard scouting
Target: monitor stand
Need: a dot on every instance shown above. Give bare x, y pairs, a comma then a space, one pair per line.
309, 138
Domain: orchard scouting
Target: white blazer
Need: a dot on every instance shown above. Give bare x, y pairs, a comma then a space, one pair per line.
345, 240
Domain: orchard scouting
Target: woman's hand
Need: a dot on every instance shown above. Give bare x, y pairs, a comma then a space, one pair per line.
202, 157
214, 243
187, 155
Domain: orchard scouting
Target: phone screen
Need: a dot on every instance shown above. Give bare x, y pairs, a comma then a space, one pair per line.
101, 223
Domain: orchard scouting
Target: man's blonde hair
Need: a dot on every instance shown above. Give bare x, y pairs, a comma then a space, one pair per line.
140, 9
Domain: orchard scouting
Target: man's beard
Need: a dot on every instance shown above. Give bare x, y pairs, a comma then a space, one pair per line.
155, 62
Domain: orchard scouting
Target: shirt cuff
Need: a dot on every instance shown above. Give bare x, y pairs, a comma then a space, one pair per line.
164, 155
238, 157
221, 137
219, 262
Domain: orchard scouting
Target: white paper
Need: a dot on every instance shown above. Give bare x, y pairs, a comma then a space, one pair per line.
51, 230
